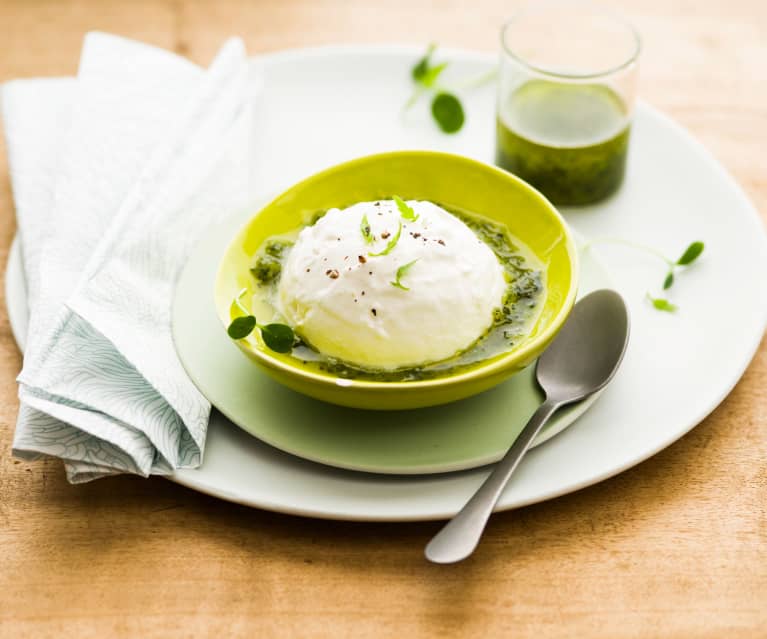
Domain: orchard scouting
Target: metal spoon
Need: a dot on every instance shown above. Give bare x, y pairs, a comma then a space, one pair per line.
581, 360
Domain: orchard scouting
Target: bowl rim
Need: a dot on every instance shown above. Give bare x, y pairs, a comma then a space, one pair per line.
476, 372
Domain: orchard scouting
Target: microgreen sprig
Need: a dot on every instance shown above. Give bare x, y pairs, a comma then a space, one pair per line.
425, 75
691, 253
423, 72
446, 108
401, 272
405, 211
392, 243
278, 337
365, 230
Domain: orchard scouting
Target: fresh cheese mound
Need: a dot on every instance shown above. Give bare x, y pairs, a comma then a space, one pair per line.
370, 287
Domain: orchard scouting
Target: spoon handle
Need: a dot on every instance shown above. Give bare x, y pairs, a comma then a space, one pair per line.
460, 536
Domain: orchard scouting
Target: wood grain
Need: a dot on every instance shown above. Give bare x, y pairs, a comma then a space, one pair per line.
676, 547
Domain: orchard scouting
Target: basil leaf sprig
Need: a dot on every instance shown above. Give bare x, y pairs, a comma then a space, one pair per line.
690, 255
278, 337
401, 272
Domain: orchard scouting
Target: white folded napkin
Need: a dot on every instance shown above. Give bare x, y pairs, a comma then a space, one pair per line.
115, 175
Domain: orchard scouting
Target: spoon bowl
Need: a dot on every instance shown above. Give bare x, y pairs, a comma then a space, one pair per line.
585, 355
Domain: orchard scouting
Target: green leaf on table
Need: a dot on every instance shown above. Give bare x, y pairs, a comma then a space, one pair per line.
668, 281
448, 112
241, 326
691, 254
405, 211
401, 272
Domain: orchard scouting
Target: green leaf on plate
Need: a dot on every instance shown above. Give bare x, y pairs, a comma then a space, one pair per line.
448, 112
691, 254
662, 304
422, 67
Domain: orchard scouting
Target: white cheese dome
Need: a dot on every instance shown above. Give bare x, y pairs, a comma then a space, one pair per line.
343, 298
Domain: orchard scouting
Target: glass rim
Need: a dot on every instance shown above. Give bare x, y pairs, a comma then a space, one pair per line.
542, 70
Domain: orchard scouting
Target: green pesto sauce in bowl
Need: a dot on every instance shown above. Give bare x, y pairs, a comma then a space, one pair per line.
570, 141
511, 322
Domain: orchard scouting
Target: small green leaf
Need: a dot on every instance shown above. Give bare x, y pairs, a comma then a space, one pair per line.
401, 272
392, 243
661, 304
241, 326
691, 254
668, 281
423, 65
365, 229
448, 112
405, 211
429, 79
425, 75
278, 337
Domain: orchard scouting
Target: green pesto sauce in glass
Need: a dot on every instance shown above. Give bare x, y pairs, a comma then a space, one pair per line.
520, 308
569, 141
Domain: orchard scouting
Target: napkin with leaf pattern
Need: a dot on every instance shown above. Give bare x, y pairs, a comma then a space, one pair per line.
115, 175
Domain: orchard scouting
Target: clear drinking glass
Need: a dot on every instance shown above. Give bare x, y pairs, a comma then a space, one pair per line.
566, 94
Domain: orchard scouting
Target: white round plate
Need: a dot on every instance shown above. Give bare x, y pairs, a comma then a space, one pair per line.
328, 105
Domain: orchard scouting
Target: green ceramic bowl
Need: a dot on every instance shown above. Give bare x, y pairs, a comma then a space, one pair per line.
424, 175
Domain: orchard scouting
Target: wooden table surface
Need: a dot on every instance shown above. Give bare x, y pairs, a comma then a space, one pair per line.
676, 547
